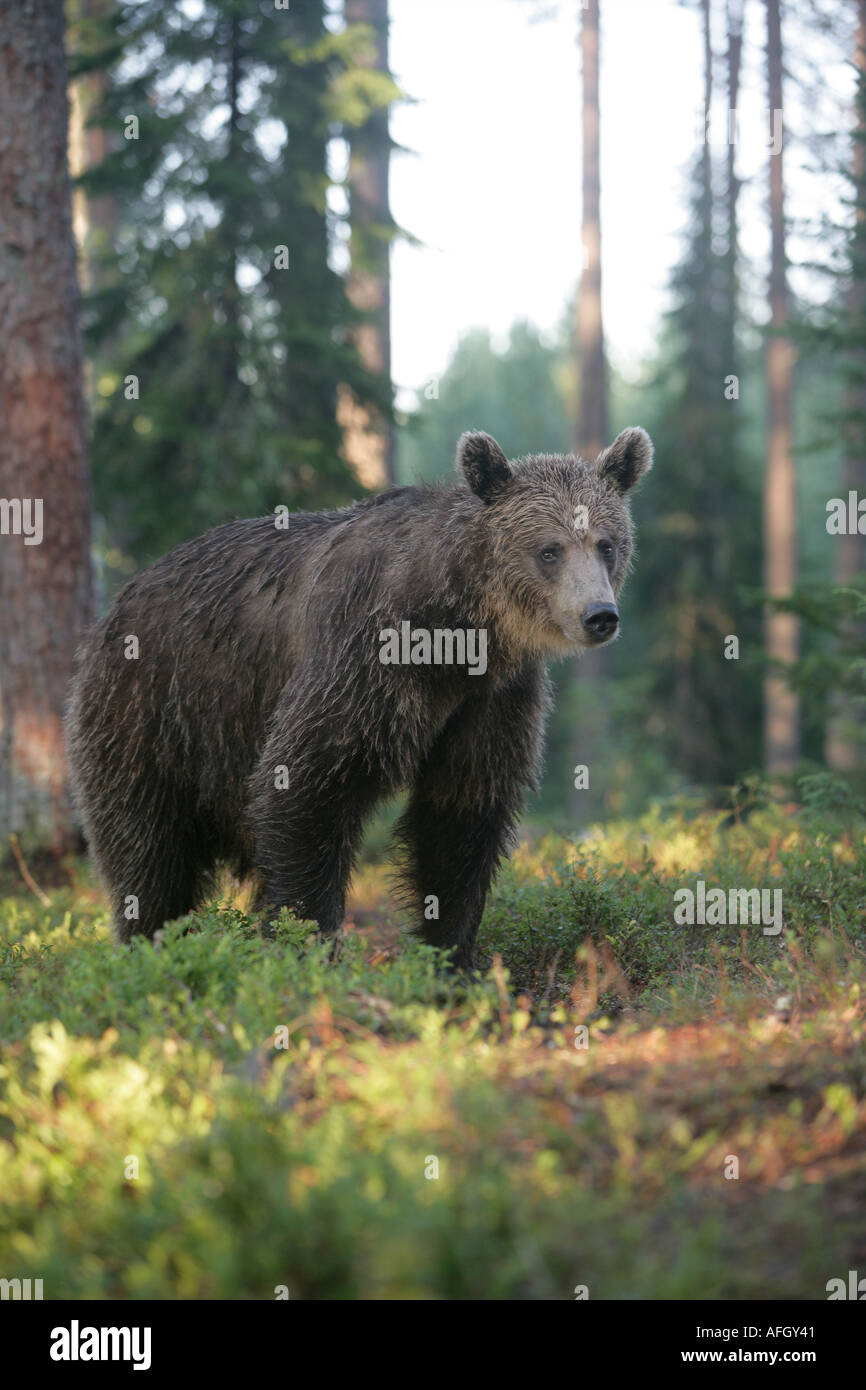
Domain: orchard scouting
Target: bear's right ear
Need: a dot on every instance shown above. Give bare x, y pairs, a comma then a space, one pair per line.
483, 463
624, 462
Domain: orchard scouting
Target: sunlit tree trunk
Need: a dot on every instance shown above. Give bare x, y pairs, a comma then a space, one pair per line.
592, 425
781, 706
94, 219
369, 440
45, 587
592, 723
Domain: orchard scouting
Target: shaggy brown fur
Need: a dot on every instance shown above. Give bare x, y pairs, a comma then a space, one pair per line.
259, 649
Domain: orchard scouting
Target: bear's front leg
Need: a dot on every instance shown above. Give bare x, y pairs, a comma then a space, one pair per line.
461, 817
306, 812
450, 858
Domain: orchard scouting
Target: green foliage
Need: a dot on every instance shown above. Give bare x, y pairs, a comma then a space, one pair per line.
283, 1112
617, 892
833, 664
238, 360
831, 675
515, 394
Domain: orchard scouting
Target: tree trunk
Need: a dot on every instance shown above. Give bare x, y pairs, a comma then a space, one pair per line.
685, 632
45, 586
592, 426
706, 153
592, 723
842, 749
94, 220
368, 434
228, 228
735, 51
781, 706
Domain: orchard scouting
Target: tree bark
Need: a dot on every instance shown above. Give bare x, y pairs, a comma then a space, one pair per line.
735, 51
229, 230
592, 723
369, 435
45, 587
592, 425
94, 220
782, 641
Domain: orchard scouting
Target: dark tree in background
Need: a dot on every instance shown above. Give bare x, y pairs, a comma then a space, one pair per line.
226, 332
45, 590
781, 712
734, 25
369, 429
700, 519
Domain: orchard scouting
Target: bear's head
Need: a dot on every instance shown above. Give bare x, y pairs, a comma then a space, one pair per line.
558, 536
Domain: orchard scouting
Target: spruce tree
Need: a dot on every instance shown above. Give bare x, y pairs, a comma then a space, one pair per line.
223, 334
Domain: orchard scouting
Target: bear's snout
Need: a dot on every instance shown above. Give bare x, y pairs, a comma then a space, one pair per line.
600, 621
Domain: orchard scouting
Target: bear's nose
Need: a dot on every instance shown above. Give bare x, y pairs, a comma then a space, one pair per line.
600, 620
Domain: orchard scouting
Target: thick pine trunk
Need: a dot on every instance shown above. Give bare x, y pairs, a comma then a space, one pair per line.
45, 588
592, 724
369, 440
592, 420
781, 706
94, 220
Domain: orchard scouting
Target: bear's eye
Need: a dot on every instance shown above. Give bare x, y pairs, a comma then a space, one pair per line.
606, 551
549, 554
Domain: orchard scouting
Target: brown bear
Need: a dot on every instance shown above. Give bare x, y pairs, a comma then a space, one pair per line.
251, 697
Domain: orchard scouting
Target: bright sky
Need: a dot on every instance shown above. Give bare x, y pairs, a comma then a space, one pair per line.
493, 191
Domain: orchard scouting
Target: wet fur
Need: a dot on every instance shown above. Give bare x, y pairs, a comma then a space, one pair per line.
260, 647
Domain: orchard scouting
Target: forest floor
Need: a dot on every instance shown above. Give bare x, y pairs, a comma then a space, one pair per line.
621, 1102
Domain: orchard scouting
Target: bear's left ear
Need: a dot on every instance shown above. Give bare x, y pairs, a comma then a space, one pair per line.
483, 463
626, 460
